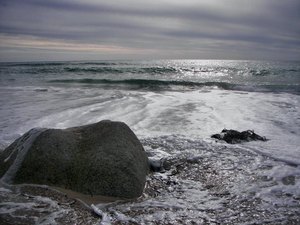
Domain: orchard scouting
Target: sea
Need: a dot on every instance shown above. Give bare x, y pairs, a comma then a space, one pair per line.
174, 106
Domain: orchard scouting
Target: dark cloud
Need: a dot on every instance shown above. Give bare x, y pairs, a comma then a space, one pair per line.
181, 29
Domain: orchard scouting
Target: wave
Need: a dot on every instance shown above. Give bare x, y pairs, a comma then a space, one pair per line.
167, 84
131, 67
93, 70
146, 82
31, 64
101, 68
162, 70
116, 70
263, 72
48, 64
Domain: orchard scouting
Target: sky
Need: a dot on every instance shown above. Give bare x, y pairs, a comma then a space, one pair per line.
55, 30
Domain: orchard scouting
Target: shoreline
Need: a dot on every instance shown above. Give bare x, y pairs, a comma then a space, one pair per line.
203, 189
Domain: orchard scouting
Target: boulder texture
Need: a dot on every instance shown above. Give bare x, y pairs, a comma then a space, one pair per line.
234, 137
104, 158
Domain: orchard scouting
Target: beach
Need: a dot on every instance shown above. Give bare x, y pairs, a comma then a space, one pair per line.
173, 106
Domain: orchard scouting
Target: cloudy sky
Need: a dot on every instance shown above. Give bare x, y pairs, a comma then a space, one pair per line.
156, 29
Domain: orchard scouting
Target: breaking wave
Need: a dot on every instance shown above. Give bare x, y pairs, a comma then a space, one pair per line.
146, 82
167, 84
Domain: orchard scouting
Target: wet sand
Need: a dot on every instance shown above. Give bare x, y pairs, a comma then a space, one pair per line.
36, 204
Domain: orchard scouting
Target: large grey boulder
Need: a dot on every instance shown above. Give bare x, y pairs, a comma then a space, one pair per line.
104, 158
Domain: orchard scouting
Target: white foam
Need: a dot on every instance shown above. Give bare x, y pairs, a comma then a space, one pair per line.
246, 177
194, 114
10, 207
6, 190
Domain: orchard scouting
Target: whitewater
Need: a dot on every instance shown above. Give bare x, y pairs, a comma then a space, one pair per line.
174, 106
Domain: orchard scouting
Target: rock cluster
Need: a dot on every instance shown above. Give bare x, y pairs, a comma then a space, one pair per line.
234, 137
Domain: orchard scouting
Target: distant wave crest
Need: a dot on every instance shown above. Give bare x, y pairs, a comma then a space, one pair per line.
116, 70
145, 82
167, 84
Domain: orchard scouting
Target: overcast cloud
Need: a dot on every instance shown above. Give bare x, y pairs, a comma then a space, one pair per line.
134, 29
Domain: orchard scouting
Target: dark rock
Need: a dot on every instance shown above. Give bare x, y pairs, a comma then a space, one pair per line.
233, 136
289, 180
104, 158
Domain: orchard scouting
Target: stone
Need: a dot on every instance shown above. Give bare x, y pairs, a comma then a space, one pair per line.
105, 158
234, 137
156, 165
289, 180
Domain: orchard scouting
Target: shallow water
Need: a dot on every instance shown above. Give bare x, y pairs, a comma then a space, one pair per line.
212, 183
193, 114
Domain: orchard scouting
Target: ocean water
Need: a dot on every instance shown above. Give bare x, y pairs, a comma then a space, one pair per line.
174, 106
